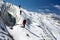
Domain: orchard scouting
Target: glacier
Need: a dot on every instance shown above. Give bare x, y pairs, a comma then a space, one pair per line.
38, 26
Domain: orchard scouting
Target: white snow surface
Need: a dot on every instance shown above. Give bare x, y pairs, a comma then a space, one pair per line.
38, 27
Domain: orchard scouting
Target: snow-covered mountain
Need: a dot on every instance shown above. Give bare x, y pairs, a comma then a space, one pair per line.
38, 26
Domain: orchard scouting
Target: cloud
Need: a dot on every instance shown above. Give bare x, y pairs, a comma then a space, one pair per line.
41, 10
47, 10
57, 6
44, 10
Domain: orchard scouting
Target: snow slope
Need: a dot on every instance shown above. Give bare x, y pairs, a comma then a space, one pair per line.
38, 27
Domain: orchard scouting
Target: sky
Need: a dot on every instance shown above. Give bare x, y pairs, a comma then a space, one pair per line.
47, 6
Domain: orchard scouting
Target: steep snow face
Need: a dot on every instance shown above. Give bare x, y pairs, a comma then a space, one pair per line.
38, 26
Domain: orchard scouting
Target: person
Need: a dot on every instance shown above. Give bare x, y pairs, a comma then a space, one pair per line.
19, 6
24, 23
20, 12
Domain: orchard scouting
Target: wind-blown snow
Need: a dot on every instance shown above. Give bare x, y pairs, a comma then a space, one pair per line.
38, 27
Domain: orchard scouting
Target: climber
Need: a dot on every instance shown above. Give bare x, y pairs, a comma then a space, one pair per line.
24, 22
19, 6
20, 12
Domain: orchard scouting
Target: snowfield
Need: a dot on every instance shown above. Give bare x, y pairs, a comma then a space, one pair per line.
38, 26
